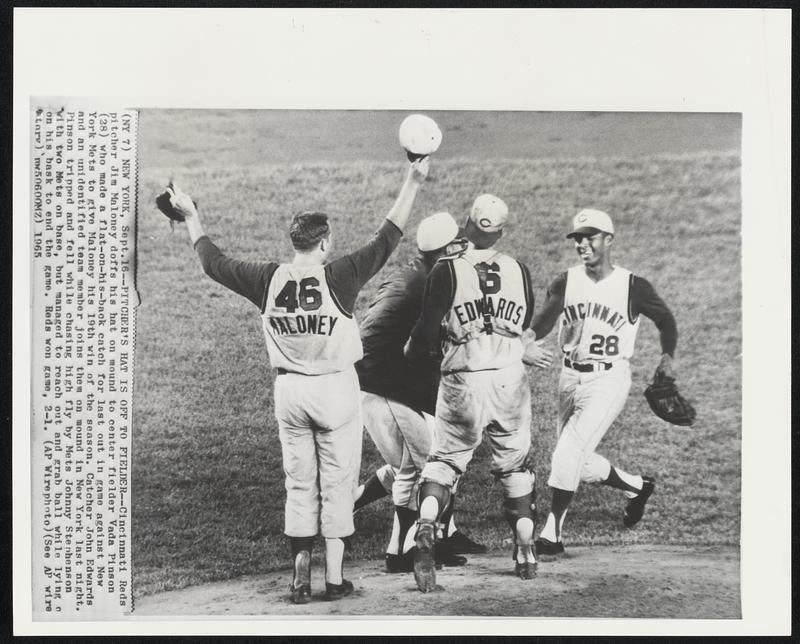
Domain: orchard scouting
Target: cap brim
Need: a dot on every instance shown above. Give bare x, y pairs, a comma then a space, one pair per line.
442, 243
586, 230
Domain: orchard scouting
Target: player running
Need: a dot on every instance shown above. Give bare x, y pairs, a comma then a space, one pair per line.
598, 305
398, 400
313, 341
480, 301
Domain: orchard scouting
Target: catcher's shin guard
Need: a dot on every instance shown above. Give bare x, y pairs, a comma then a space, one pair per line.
519, 494
436, 490
520, 507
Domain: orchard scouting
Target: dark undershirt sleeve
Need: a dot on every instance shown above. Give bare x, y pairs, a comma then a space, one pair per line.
348, 274
529, 298
249, 279
545, 319
645, 301
436, 301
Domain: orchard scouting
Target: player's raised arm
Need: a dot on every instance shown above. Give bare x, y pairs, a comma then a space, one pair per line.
185, 208
248, 279
400, 211
349, 273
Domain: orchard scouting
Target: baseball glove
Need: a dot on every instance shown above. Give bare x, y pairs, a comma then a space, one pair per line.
165, 205
665, 401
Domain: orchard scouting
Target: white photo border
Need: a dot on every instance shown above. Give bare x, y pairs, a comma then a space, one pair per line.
695, 60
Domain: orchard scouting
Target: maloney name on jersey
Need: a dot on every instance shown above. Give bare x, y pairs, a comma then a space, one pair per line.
316, 324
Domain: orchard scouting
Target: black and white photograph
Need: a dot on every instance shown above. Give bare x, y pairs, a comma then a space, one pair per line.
404, 347
545, 376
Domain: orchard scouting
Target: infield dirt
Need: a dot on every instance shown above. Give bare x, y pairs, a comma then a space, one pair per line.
610, 582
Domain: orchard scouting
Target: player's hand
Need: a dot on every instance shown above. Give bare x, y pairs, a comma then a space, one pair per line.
664, 368
535, 355
182, 202
418, 170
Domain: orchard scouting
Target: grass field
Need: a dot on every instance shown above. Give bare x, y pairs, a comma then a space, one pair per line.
207, 479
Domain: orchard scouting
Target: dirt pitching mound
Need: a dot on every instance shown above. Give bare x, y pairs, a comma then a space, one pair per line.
597, 581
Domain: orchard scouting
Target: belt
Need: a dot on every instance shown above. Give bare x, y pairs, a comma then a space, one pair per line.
282, 372
588, 366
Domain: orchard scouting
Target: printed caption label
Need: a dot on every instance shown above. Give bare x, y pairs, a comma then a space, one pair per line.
83, 247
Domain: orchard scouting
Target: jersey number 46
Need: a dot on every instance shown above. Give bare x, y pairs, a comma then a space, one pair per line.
307, 296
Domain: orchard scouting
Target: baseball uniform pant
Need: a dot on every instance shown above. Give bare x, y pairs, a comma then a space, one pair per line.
588, 404
403, 438
319, 423
469, 403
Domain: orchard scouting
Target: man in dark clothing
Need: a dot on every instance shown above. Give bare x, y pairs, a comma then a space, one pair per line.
398, 400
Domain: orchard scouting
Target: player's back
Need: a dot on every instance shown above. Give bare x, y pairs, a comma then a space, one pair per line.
385, 328
391, 314
306, 329
492, 305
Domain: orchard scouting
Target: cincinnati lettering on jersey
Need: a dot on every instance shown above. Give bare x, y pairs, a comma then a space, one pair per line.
317, 324
600, 312
507, 310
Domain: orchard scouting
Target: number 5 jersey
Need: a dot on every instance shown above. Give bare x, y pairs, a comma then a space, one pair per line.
476, 306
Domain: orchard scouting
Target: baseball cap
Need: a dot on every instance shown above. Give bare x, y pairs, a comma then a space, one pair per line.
589, 221
436, 231
486, 221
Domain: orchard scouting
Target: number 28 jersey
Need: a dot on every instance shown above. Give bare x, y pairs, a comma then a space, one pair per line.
307, 330
596, 322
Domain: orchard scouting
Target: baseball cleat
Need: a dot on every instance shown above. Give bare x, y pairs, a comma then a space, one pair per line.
526, 570
405, 562
337, 591
634, 509
301, 585
400, 563
300, 594
424, 557
547, 547
461, 544
445, 556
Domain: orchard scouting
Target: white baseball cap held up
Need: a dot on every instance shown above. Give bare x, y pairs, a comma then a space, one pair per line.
420, 135
589, 222
436, 231
487, 219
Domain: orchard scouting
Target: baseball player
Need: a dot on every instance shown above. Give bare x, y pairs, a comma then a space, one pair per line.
598, 306
477, 304
313, 341
398, 400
